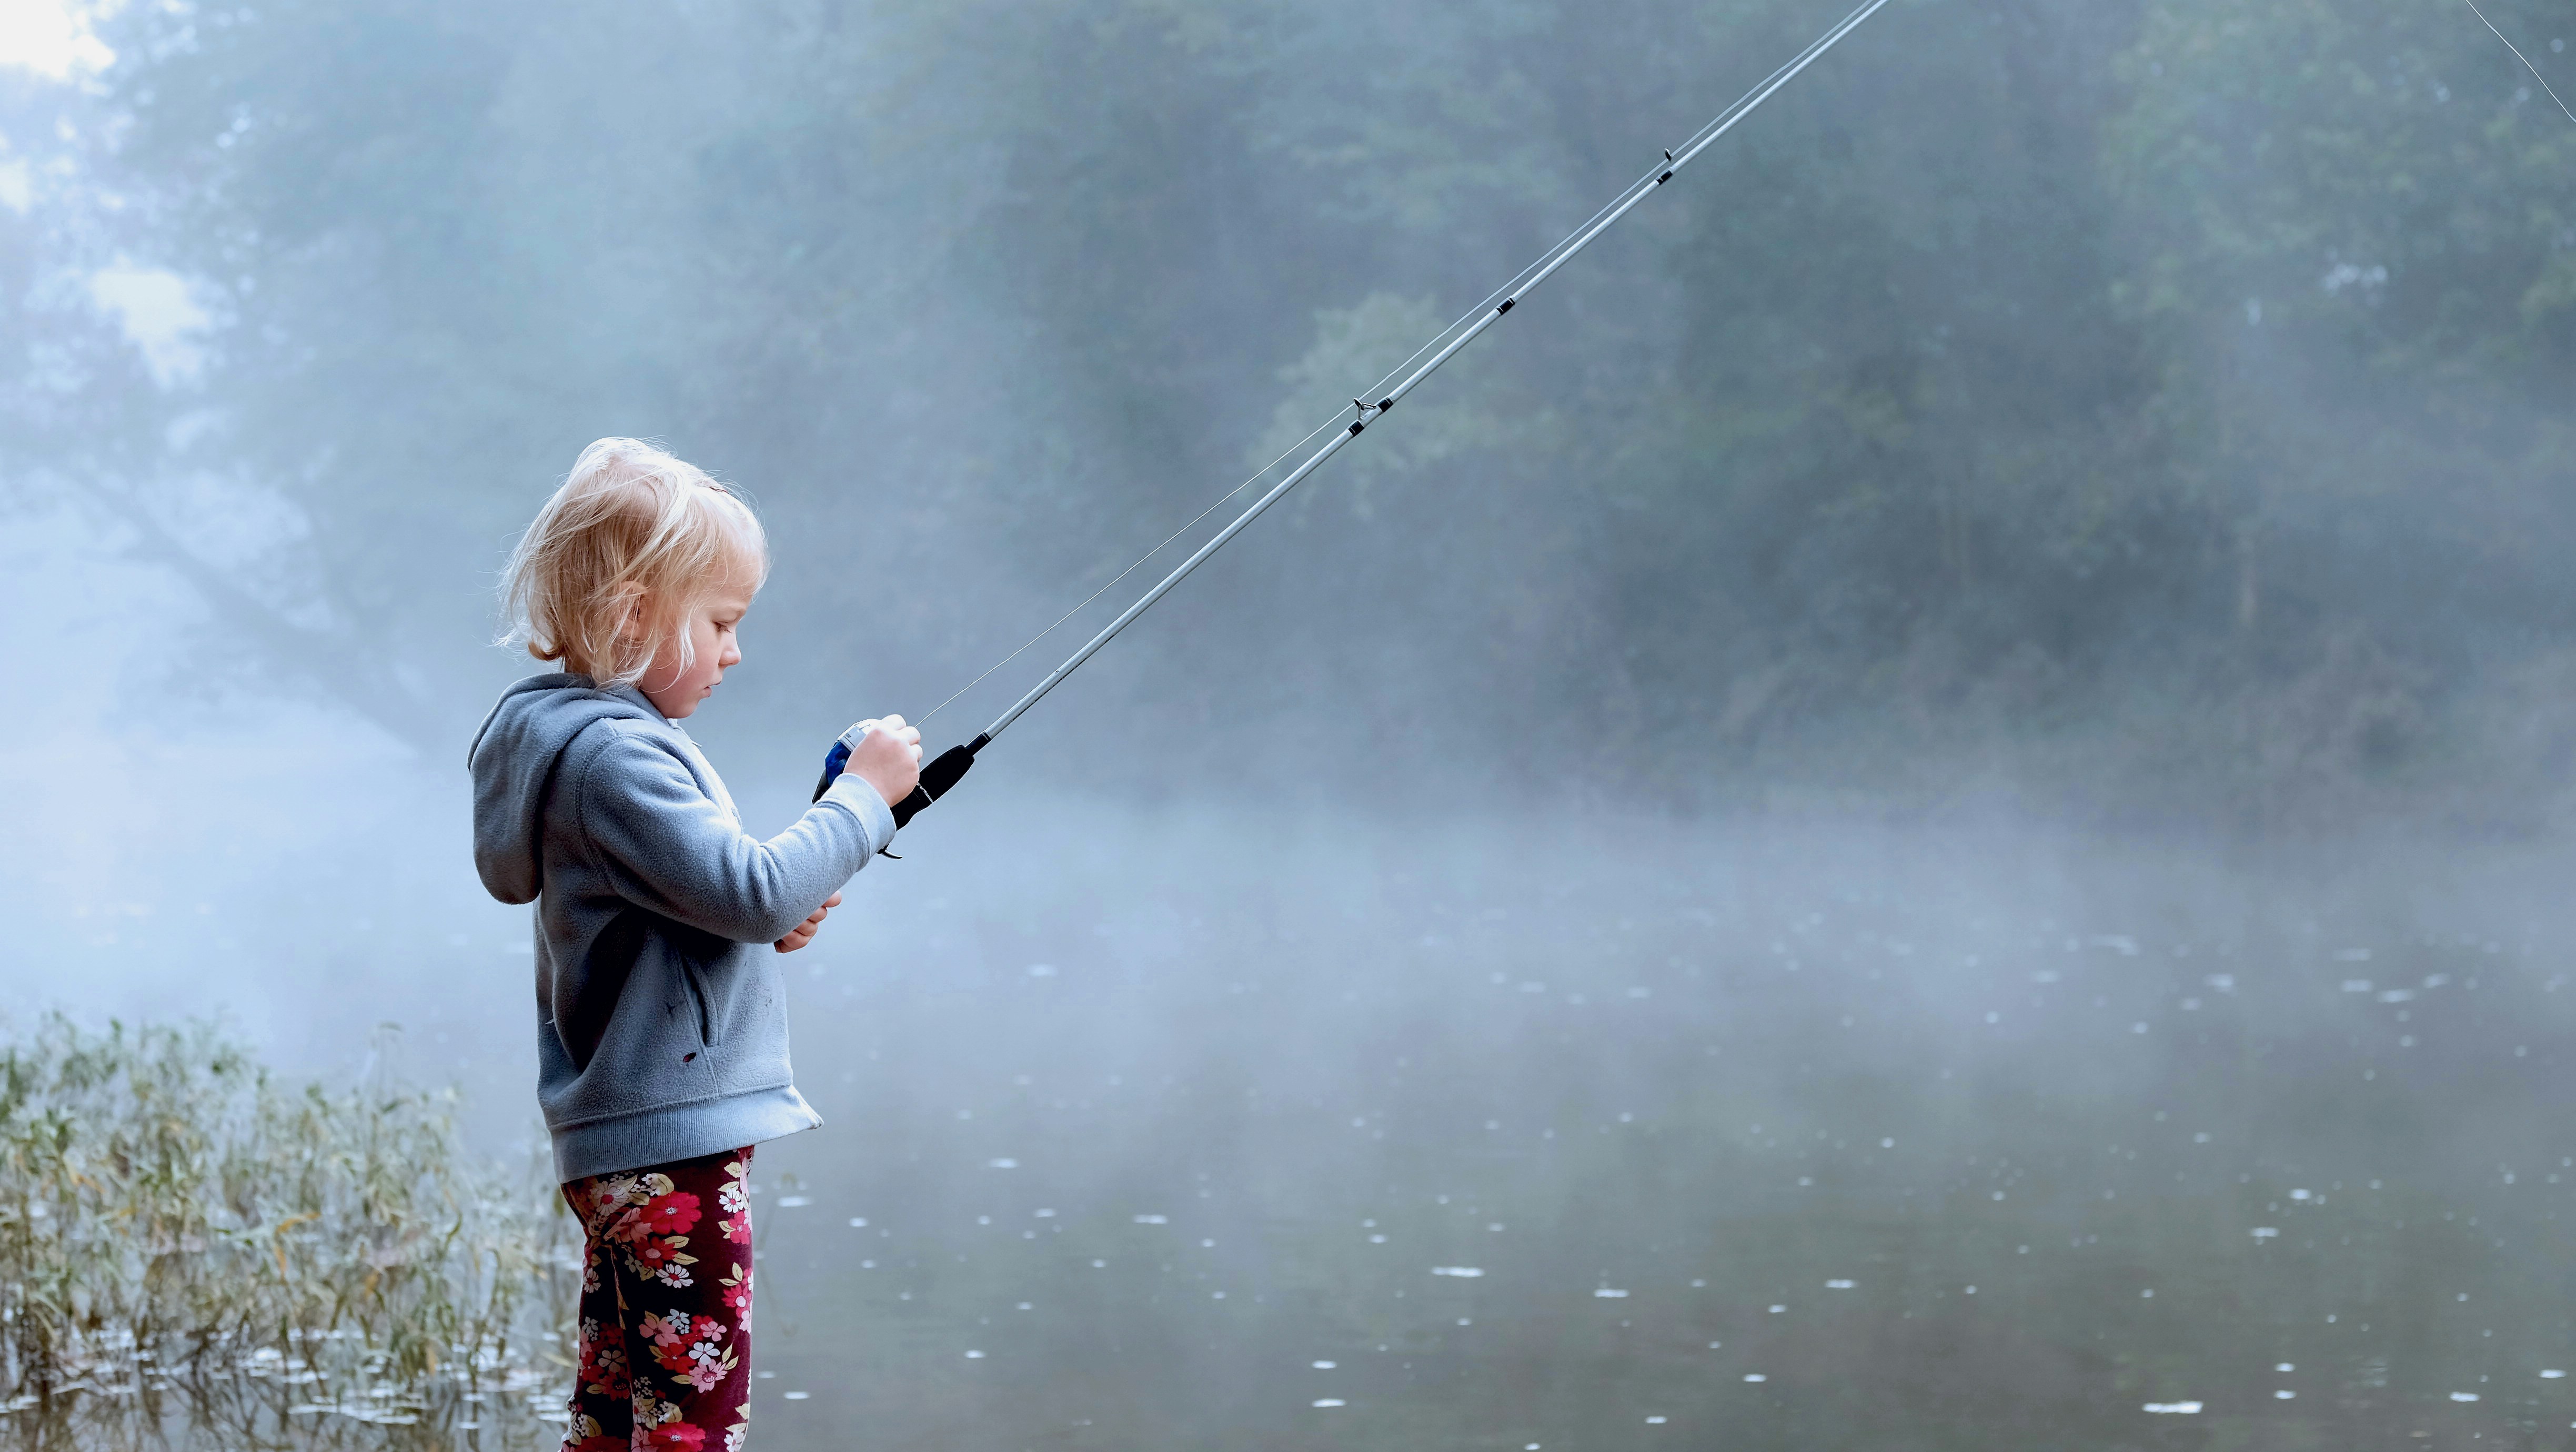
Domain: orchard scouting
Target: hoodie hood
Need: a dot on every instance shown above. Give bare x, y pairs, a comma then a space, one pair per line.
513, 762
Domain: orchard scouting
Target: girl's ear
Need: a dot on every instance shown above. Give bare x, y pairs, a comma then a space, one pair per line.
631, 623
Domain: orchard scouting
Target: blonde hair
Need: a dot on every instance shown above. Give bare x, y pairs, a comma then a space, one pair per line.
631, 524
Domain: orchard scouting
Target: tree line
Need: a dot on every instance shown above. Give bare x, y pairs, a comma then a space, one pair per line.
2154, 410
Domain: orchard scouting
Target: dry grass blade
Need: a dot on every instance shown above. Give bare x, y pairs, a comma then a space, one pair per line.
182, 1236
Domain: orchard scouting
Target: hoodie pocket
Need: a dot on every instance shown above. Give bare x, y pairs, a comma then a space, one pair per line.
695, 978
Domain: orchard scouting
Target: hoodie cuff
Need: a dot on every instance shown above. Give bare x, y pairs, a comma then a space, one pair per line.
876, 819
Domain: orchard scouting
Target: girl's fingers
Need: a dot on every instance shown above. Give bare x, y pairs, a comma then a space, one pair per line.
803, 933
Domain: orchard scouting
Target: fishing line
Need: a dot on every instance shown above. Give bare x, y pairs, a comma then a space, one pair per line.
1331, 422
938, 776
2518, 55
1644, 180
1140, 560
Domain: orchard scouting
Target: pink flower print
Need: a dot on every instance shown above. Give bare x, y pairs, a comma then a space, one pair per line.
666, 1331
670, 1437
704, 1376
737, 1229
737, 1294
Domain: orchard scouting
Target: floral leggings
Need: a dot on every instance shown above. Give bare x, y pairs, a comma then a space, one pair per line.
665, 1314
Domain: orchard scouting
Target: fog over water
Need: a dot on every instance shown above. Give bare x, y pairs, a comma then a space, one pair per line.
1926, 806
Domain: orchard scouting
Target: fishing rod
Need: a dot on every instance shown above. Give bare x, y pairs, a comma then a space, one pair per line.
943, 773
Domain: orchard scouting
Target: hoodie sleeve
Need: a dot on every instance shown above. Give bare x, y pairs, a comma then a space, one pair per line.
668, 847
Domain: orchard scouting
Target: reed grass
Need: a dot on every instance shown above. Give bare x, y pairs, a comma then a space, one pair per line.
181, 1235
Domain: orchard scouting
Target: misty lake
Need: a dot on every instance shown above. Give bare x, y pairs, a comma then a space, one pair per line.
1564, 939
1584, 1139
1223, 1129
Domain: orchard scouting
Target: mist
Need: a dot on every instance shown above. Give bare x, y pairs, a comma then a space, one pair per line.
1925, 804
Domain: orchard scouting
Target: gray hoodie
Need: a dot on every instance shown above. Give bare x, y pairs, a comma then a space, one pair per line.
661, 1013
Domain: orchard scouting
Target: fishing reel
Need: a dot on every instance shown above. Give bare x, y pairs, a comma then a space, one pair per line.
937, 775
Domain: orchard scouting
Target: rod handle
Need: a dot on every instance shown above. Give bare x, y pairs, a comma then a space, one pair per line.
937, 775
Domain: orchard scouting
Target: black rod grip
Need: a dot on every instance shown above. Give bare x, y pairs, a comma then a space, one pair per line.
937, 777
905, 810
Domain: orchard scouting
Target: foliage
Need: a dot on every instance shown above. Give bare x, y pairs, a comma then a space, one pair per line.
175, 1221
2150, 407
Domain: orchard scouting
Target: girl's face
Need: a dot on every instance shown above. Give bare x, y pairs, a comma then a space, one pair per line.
711, 630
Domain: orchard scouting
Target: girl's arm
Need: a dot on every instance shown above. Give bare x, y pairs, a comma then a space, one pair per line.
668, 847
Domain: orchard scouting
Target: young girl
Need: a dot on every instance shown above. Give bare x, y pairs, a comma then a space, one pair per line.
661, 1026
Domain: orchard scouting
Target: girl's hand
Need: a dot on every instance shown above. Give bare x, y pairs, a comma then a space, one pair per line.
888, 758
803, 933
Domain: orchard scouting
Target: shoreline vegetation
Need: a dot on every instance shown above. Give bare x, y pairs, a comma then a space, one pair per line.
188, 1243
